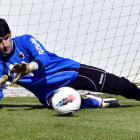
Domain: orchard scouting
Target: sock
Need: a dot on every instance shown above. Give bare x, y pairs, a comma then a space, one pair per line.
89, 103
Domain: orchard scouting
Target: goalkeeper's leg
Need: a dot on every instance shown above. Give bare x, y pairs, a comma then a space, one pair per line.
94, 79
121, 86
92, 101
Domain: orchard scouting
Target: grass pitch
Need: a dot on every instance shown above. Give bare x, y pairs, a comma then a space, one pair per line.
26, 119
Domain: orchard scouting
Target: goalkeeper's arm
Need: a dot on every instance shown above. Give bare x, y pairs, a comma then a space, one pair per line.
3, 79
21, 70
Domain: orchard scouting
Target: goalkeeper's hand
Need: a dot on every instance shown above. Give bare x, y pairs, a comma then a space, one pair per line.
21, 70
3, 79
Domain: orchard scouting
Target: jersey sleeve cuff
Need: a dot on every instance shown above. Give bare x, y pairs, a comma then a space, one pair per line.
38, 64
35, 64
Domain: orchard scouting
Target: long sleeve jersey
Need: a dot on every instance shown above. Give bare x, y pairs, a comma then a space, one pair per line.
53, 71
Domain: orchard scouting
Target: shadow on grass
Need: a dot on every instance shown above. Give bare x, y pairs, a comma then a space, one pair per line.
57, 115
30, 107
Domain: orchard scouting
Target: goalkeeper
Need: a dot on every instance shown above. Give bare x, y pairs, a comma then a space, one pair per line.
25, 61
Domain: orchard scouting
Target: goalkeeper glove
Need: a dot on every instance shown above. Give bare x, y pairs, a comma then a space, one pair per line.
3, 79
21, 70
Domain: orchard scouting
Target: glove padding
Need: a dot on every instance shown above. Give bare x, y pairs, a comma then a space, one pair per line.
3, 79
21, 70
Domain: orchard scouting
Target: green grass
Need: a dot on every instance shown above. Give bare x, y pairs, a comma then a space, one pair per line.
26, 119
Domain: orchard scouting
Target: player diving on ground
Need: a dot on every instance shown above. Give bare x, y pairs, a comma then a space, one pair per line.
26, 62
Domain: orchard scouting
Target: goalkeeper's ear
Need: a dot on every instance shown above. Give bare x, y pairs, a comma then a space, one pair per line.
3, 79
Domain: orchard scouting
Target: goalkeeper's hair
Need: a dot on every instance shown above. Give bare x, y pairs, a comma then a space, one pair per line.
4, 28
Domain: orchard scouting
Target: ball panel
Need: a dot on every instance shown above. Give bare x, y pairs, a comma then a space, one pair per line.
66, 101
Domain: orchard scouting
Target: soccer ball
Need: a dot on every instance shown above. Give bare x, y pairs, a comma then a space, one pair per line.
66, 101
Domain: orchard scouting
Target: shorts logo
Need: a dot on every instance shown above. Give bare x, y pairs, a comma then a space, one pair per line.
101, 79
66, 100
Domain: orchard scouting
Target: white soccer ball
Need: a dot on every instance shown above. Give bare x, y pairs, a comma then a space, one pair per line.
66, 101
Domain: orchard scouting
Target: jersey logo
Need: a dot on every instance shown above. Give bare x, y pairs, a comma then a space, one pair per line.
37, 46
21, 55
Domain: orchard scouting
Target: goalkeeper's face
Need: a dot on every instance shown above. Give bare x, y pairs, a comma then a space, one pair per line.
6, 44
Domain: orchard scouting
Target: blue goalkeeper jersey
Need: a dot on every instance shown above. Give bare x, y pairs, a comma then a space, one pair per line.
53, 71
